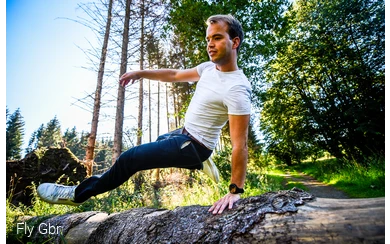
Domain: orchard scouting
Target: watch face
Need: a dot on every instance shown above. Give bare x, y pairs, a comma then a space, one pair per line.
233, 188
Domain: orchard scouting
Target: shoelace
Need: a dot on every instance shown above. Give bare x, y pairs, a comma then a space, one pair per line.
63, 192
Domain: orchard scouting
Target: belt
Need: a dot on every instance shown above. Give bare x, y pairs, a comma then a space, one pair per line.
185, 132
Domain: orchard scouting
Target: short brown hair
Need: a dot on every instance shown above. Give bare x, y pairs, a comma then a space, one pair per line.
234, 26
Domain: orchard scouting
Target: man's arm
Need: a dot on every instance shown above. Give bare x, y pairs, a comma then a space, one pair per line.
167, 75
239, 137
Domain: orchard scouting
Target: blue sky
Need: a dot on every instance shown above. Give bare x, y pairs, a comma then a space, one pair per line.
43, 63
44, 74
43, 67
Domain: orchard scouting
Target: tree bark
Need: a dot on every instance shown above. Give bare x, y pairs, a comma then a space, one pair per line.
176, 111
138, 178
150, 111
141, 83
167, 105
275, 217
89, 155
118, 135
158, 124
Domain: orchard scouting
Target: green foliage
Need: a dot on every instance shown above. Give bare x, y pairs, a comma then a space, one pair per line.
326, 85
103, 154
76, 142
223, 163
46, 136
178, 189
324, 66
50, 136
354, 179
72, 141
262, 21
36, 213
14, 135
175, 189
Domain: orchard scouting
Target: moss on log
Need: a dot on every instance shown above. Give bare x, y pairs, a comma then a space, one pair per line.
43, 165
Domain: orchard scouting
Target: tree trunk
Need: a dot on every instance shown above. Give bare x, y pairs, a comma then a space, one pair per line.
141, 84
150, 111
89, 155
138, 178
176, 111
274, 217
121, 90
167, 104
158, 124
158, 106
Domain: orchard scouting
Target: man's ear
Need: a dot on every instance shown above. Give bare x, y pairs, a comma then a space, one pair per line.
236, 42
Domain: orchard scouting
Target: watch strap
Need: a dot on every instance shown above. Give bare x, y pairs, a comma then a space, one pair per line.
234, 189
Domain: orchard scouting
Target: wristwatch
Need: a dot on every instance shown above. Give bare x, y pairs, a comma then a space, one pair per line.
234, 189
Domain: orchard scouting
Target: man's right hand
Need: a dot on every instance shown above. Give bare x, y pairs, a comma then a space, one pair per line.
128, 77
165, 75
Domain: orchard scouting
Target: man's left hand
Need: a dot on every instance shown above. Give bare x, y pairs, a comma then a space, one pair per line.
227, 201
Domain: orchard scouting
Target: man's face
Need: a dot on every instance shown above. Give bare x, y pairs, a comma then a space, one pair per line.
219, 44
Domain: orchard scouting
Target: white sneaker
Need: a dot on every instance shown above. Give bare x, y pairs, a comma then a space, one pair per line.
57, 194
211, 170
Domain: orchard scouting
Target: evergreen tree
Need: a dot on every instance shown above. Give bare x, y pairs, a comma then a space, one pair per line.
46, 136
71, 140
33, 142
51, 136
82, 145
14, 135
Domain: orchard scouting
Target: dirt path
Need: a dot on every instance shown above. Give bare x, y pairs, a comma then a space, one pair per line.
315, 187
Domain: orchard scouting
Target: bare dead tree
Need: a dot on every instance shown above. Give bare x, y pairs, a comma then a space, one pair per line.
121, 90
141, 66
96, 109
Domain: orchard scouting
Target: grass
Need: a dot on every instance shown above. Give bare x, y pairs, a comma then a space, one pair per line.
277, 175
30, 215
183, 188
176, 189
355, 180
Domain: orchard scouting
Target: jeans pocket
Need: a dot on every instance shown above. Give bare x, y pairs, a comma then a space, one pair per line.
185, 144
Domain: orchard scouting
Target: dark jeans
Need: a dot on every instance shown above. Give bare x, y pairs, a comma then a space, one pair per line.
166, 152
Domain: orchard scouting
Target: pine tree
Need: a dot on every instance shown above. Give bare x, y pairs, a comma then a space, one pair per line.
33, 142
46, 136
14, 135
71, 140
52, 135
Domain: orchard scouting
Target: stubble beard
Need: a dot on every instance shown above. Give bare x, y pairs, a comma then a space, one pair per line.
220, 60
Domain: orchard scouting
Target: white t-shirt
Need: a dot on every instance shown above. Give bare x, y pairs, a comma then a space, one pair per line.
217, 95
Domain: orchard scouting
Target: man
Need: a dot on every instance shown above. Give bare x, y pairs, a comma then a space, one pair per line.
222, 94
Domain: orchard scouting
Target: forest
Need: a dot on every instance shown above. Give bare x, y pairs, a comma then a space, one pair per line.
317, 70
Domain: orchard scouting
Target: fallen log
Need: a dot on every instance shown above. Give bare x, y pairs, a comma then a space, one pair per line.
276, 217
